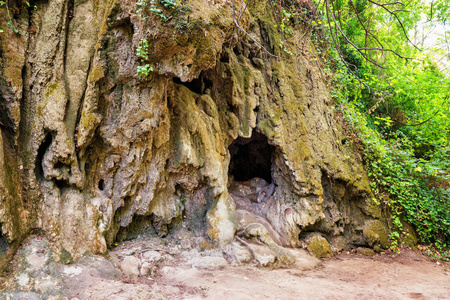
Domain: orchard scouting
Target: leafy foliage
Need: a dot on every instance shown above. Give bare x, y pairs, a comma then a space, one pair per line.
142, 54
396, 97
165, 11
10, 20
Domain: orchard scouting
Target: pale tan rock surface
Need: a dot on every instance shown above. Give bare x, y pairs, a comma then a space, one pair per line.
90, 151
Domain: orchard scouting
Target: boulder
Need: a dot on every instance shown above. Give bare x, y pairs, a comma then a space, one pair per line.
130, 266
376, 233
318, 246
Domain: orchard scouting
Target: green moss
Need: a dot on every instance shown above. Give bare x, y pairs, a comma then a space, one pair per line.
409, 236
370, 207
268, 126
365, 251
10, 195
96, 73
376, 233
66, 257
51, 89
242, 74
245, 128
377, 249
89, 121
319, 246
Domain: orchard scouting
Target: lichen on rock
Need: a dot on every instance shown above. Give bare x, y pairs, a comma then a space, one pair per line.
90, 150
318, 246
376, 233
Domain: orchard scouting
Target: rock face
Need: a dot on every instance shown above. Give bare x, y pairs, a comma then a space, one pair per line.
89, 149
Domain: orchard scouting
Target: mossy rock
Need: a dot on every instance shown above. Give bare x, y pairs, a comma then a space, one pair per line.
65, 257
319, 246
365, 251
339, 244
376, 233
409, 236
377, 249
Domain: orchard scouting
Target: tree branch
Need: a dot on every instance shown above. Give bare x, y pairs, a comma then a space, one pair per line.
397, 18
237, 25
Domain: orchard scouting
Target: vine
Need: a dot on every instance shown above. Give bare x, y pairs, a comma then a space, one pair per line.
10, 21
142, 53
165, 10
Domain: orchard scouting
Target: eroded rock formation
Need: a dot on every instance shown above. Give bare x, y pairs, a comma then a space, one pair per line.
89, 149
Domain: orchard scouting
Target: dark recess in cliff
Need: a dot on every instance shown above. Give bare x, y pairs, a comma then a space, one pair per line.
251, 157
40, 156
3, 245
197, 85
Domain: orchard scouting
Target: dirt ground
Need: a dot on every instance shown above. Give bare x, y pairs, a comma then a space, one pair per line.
409, 275
149, 269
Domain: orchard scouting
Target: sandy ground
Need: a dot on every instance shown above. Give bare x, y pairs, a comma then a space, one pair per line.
409, 275
149, 269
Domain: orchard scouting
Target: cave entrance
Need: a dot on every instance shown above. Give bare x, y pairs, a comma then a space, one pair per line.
253, 189
3, 245
251, 157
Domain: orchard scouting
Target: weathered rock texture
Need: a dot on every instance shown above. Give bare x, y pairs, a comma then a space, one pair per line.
89, 149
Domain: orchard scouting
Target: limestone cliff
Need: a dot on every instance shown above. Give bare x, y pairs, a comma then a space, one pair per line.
89, 149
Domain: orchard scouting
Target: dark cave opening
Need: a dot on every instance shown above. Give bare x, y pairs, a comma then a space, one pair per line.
197, 85
251, 157
4, 245
101, 184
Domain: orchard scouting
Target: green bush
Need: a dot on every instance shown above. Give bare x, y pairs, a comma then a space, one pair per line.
416, 190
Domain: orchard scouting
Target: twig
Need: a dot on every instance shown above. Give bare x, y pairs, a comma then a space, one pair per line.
237, 25
396, 17
338, 49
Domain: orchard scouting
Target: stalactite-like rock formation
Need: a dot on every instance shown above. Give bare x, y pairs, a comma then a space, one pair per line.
89, 149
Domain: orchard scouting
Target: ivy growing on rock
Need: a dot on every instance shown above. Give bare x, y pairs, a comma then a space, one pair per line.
395, 96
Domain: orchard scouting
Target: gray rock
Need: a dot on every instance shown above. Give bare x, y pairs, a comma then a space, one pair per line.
148, 269
26, 296
88, 148
100, 267
303, 260
130, 266
152, 256
263, 255
221, 220
238, 254
209, 263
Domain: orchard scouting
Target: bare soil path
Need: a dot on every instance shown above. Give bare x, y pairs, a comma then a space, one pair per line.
151, 269
409, 275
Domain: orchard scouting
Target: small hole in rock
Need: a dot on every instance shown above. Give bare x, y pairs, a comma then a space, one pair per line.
225, 58
61, 184
196, 85
59, 165
101, 184
40, 156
